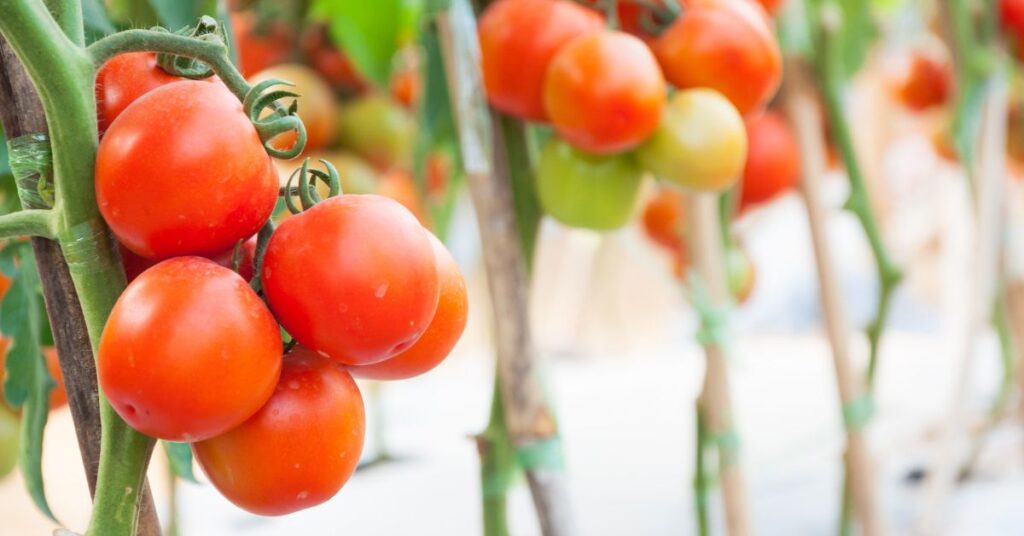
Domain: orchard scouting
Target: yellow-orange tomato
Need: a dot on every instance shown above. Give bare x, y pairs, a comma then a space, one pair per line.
442, 333
604, 92
725, 45
518, 39
316, 105
664, 218
701, 143
773, 160
299, 449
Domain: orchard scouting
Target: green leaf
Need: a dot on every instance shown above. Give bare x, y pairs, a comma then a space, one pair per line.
28, 382
171, 14
179, 456
370, 32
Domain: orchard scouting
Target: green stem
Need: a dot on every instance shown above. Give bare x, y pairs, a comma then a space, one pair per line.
68, 15
524, 194
701, 482
28, 222
497, 465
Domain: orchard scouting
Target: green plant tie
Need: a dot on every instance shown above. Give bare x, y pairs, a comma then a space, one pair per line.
32, 167
82, 243
714, 319
857, 412
541, 454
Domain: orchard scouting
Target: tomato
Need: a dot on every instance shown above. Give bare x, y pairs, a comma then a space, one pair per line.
439, 171
399, 185
10, 440
518, 39
406, 87
316, 107
771, 6
444, 330
740, 272
353, 278
124, 79
58, 395
586, 190
5, 285
182, 171
134, 265
664, 218
604, 92
299, 449
379, 130
926, 82
189, 351
1011, 16
258, 48
725, 45
701, 142
332, 64
773, 160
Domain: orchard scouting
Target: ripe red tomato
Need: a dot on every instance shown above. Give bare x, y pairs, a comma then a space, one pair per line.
189, 351
586, 190
1011, 15
332, 64
299, 449
182, 171
353, 278
926, 83
406, 87
664, 218
442, 333
725, 45
399, 185
258, 48
771, 6
58, 395
124, 79
604, 92
518, 39
773, 160
134, 265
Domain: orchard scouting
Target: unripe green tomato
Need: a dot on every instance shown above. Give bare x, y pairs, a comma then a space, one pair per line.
701, 142
379, 130
584, 190
10, 438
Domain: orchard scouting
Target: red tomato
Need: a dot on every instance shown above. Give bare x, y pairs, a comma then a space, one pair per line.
442, 333
725, 45
518, 39
773, 160
664, 218
258, 48
927, 82
58, 395
1011, 15
399, 185
299, 449
189, 351
182, 171
406, 87
604, 92
332, 64
134, 265
353, 278
124, 79
771, 6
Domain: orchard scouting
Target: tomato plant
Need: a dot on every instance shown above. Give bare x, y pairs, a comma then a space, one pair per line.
773, 160
585, 190
124, 79
442, 333
379, 130
701, 142
604, 92
189, 351
299, 449
10, 440
316, 105
353, 277
725, 45
193, 200
518, 40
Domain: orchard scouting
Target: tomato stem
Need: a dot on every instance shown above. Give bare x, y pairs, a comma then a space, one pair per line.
29, 222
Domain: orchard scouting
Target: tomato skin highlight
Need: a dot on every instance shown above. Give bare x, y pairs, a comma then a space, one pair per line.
353, 278
163, 182
583, 190
725, 45
299, 449
604, 92
701, 142
518, 39
189, 351
441, 335
773, 160
123, 79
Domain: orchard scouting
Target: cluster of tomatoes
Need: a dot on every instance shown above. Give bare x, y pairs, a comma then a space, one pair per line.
605, 93
257, 375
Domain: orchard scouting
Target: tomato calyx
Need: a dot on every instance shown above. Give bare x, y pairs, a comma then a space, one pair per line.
207, 29
306, 187
280, 118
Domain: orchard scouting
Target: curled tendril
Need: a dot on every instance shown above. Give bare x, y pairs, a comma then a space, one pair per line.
207, 29
278, 120
306, 187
